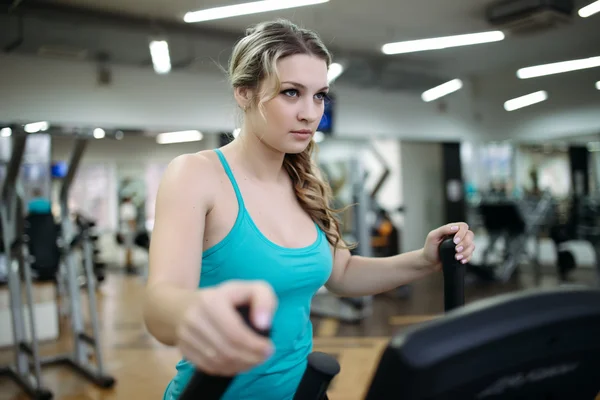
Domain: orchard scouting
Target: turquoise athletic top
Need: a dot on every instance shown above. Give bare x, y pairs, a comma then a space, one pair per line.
39, 205
295, 275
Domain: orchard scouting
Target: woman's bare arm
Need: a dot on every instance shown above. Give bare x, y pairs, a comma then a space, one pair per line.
183, 200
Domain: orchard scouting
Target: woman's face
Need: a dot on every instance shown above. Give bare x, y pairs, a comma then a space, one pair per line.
293, 115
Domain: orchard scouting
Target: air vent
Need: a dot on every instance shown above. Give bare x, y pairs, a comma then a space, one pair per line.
525, 17
63, 52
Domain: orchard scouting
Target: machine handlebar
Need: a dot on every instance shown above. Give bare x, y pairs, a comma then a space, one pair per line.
454, 275
211, 387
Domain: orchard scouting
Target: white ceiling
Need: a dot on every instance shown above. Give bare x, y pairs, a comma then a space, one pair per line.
354, 30
359, 25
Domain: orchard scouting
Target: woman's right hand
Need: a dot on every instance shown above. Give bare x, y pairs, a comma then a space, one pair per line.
214, 336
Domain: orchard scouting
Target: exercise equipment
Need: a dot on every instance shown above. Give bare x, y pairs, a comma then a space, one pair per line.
588, 227
515, 223
26, 370
350, 309
42, 231
85, 228
64, 239
84, 347
321, 368
536, 344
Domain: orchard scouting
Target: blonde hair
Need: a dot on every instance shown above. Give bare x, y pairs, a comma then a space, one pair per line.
254, 61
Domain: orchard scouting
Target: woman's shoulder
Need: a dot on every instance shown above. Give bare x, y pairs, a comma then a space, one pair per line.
196, 174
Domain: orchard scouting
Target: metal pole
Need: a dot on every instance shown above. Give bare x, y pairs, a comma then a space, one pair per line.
92, 302
68, 234
9, 217
14, 165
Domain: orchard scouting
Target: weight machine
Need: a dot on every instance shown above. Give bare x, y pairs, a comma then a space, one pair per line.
350, 309
513, 223
85, 347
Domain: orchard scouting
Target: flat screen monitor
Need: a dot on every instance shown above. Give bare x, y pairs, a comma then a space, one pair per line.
326, 124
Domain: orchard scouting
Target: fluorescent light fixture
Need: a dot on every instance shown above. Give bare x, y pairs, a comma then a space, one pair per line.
318, 137
99, 133
37, 127
558, 67
442, 90
335, 70
590, 9
5, 132
246, 9
527, 100
178, 137
159, 50
442, 42
598, 85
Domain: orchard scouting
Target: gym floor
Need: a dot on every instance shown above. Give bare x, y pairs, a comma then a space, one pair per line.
143, 367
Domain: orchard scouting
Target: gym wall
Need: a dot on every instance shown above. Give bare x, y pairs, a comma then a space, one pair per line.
67, 92
423, 191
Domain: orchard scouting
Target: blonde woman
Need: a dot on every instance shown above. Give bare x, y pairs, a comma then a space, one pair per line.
250, 224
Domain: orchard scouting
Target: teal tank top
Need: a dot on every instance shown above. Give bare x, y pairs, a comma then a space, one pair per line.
295, 275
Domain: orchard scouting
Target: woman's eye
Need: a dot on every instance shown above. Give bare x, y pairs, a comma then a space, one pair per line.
322, 96
290, 92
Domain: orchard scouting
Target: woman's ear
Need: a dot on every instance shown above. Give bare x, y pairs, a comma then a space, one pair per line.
244, 96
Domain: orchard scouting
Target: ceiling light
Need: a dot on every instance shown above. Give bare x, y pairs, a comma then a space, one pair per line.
442, 42
5, 132
159, 50
558, 68
37, 127
442, 90
335, 70
99, 133
246, 9
527, 100
178, 137
590, 9
598, 85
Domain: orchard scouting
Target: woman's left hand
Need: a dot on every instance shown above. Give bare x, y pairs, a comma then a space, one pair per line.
463, 239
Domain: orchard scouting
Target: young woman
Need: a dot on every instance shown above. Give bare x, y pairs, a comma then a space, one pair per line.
250, 224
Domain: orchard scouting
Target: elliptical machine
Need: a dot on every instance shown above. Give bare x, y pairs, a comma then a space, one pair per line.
65, 240
84, 345
538, 344
26, 370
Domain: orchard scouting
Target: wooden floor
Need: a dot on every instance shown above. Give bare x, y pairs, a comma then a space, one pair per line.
143, 367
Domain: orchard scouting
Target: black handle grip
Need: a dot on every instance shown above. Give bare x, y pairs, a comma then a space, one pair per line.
454, 276
320, 370
210, 387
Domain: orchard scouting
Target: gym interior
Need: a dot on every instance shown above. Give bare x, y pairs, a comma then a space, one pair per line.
494, 121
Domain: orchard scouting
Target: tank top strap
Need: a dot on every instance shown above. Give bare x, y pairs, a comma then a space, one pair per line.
229, 173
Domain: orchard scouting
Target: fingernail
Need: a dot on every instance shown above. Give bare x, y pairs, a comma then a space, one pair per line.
459, 257
454, 228
262, 320
464, 261
456, 240
459, 249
